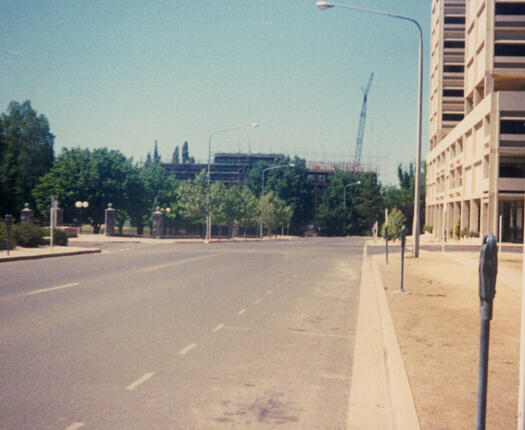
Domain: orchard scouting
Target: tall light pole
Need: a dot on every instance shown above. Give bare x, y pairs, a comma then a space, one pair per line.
214, 132
344, 203
262, 191
416, 223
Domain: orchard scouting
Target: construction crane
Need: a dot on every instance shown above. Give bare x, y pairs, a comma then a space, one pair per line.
362, 121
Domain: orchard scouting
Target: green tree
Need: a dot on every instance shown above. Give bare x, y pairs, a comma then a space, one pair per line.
291, 184
186, 159
275, 213
192, 197
396, 219
175, 159
249, 209
26, 154
156, 156
99, 177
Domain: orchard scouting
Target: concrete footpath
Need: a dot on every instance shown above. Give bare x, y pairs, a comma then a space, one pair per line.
380, 394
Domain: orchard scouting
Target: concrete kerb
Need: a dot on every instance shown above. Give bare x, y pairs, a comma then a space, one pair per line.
380, 393
24, 255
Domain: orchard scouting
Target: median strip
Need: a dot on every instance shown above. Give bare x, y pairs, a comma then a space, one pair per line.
45, 290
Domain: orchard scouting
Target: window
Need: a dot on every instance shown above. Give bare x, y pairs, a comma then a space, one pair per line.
454, 44
509, 126
509, 49
452, 68
452, 116
454, 20
510, 8
512, 170
452, 93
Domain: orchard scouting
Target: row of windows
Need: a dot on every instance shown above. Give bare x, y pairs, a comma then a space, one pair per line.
510, 8
452, 116
453, 68
454, 20
512, 126
509, 49
454, 43
452, 93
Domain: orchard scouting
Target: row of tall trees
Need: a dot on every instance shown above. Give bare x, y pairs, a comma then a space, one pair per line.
30, 173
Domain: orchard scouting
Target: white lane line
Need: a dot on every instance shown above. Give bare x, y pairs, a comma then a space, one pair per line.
139, 381
309, 333
45, 290
269, 292
75, 426
257, 301
175, 263
241, 311
184, 351
365, 250
219, 327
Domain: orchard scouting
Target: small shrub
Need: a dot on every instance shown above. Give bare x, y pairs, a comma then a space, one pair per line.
28, 235
465, 233
427, 229
3, 238
60, 238
474, 234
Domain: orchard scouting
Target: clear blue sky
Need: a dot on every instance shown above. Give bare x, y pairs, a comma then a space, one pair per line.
124, 73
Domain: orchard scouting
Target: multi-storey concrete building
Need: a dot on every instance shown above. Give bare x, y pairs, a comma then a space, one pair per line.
476, 163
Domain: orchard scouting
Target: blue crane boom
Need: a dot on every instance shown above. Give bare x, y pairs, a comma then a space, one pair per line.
362, 121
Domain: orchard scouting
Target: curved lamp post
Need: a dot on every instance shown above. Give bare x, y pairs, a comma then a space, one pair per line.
323, 5
214, 132
344, 203
262, 191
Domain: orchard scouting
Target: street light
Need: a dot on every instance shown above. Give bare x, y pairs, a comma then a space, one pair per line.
262, 191
208, 217
344, 203
81, 205
323, 5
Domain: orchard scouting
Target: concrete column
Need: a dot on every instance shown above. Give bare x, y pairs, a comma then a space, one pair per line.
158, 223
484, 218
474, 215
109, 220
465, 215
450, 220
26, 215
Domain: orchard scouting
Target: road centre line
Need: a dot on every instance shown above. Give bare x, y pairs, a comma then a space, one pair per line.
219, 327
75, 426
257, 301
241, 311
184, 351
269, 292
139, 381
45, 290
175, 263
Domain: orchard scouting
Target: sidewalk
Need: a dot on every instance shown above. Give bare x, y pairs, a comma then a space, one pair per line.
437, 328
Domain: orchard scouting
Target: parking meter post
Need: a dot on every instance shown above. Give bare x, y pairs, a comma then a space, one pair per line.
8, 221
488, 270
403, 243
386, 235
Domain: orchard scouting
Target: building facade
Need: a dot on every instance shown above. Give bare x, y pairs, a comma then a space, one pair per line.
476, 162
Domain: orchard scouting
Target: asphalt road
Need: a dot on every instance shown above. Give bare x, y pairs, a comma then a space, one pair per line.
181, 336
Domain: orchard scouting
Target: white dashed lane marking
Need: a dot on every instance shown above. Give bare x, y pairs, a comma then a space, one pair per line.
241, 311
184, 351
139, 381
219, 327
75, 426
45, 290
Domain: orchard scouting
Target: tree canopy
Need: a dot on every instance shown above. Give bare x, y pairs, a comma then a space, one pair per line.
26, 153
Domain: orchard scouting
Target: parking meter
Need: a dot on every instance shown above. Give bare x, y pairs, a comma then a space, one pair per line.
403, 242
488, 269
8, 222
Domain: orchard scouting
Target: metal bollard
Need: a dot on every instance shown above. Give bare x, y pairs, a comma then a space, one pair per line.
488, 270
8, 221
386, 243
403, 243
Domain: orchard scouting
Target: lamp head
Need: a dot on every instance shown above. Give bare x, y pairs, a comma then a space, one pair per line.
323, 5
291, 164
254, 124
